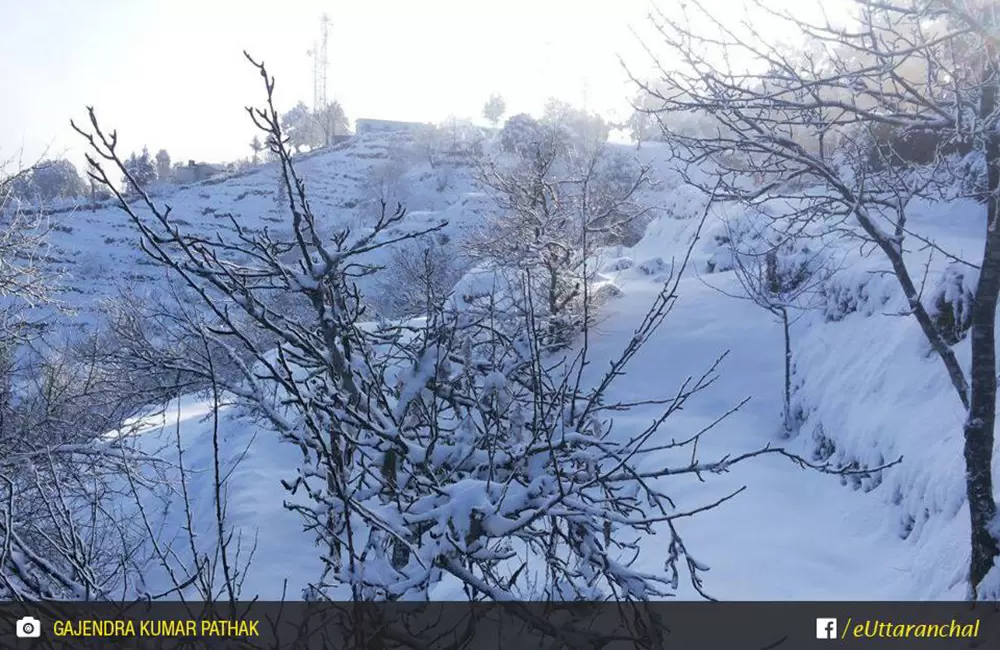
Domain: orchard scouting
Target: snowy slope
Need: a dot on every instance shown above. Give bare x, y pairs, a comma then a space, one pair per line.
870, 384
267, 538
793, 534
866, 386
869, 390
98, 253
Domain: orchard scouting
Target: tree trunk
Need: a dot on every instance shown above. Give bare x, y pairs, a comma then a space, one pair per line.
979, 426
787, 415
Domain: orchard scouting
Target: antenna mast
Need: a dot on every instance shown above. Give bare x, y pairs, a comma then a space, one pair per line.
321, 61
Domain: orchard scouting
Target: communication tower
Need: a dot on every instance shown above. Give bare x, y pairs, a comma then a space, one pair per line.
321, 62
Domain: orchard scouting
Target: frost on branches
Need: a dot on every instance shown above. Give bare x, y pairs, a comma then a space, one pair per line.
891, 103
450, 454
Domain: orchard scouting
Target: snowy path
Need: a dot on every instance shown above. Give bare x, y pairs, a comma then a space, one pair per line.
793, 533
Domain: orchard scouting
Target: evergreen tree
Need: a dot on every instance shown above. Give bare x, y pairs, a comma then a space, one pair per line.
141, 168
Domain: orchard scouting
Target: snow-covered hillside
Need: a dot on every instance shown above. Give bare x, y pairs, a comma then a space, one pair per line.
97, 249
792, 534
866, 390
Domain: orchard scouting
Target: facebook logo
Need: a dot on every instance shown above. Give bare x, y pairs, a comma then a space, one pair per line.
826, 628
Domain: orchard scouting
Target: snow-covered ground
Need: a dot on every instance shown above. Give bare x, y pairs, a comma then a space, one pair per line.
267, 537
865, 384
792, 534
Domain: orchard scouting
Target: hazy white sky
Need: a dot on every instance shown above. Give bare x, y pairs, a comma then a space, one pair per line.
170, 73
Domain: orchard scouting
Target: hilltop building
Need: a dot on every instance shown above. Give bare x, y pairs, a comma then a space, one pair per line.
195, 172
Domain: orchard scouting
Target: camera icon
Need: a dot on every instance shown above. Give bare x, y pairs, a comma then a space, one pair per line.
28, 627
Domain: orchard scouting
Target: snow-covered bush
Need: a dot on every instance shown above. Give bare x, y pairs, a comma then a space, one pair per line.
950, 304
857, 292
653, 266
60, 538
619, 264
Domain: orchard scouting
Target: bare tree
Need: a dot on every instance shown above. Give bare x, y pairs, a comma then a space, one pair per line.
68, 462
64, 534
559, 198
329, 122
459, 448
804, 126
386, 183
779, 274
